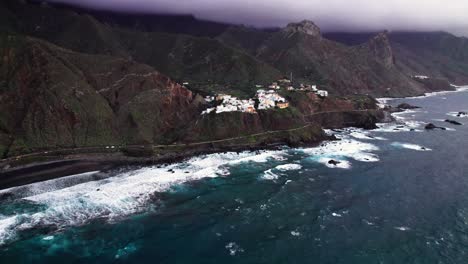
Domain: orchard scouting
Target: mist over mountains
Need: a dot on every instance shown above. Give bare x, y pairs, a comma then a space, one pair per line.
334, 15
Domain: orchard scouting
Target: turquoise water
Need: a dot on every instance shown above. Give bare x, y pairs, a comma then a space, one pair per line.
398, 195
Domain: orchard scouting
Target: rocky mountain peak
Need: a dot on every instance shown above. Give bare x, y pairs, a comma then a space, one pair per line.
305, 26
380, 46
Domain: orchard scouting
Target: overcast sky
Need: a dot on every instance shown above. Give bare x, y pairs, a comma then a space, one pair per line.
330, 15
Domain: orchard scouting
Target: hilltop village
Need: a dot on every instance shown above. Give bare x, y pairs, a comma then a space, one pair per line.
263, 100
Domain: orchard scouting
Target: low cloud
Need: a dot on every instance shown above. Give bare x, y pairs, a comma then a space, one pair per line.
330, 15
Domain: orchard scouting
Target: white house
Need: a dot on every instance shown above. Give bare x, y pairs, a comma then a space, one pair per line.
421, 77
322, 93
269, 99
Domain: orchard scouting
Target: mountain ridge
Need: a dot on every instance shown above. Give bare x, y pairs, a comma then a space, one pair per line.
70, 80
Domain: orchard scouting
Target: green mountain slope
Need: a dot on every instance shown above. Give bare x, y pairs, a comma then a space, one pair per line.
301, 50
53, 97
206, 63
435, 54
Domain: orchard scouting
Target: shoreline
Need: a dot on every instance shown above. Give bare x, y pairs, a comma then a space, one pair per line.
68, 164
64, 166
462, 88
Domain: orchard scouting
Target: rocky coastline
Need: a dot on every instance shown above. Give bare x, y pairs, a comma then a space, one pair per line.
42, 166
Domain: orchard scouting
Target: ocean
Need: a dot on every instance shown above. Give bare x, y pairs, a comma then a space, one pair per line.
397, 194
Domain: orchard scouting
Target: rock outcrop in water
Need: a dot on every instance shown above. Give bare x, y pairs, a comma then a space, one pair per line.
431, 126
406, 106
453, 122
333, 162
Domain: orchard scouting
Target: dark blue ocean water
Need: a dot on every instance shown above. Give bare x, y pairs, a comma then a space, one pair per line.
398, 195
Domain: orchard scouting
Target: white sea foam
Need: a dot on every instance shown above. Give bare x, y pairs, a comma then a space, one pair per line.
273, 174
400, 126
458, 114
295, 233
6, 228
342, 150
357, 133
403, 115
270, 175
49, 185
410, 146
365, 136
233, 248
402, 228
288, 167
402, 123
127, 193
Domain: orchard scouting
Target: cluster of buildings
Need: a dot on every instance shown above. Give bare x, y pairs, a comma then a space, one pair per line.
227, 103
286, 83
270, 99
230, 104
266, 99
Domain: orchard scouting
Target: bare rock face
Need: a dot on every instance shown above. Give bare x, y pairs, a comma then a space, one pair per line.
381, 48
307, 27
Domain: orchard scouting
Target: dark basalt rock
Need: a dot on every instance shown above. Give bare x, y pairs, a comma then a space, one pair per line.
392, 109
333, 162
453, 122
407, 106
431, 126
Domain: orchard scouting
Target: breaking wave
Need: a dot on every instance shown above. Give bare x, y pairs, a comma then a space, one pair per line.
410, 146
270, 175
463, 114
288, 167
115, 197
336, 154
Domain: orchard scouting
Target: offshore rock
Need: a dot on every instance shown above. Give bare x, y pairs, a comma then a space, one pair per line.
407, 106
453, 122
431, 126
